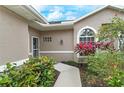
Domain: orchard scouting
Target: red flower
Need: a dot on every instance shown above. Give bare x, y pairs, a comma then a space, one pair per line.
90, 45
84, 45
81, 45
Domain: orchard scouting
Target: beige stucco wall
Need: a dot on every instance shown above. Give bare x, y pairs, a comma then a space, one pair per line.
33, 32
65, 35
95, 21
14, 37
57, 36
59, 57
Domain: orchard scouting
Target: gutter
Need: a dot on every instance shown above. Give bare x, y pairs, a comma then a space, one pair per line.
46, 27
32, 10
54, 25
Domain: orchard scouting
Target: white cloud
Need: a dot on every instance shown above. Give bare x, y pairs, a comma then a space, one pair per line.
70, 15
56, 8
55, 14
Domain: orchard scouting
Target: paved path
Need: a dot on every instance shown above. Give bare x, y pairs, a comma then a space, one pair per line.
69, 76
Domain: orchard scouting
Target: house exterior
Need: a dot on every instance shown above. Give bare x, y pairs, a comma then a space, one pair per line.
24, 33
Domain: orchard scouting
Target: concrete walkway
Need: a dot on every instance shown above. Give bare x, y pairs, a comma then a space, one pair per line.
69, 76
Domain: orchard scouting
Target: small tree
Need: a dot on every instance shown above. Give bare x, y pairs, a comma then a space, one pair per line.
113, 30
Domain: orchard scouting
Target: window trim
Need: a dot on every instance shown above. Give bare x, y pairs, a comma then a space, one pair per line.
118, 47
47, 39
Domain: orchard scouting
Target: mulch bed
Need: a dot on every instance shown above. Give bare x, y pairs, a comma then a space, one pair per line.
56, 76
91, 82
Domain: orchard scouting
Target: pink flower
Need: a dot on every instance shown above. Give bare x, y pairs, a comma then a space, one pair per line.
84, 45
81, 45
90, 45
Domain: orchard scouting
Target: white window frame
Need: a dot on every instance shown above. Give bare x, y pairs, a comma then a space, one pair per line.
118, 41
38, 45
78, 37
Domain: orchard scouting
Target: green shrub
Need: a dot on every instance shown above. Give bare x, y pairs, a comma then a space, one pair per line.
35, 72
107, 67
116, 79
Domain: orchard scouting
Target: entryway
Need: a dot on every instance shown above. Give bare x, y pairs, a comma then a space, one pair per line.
35, 46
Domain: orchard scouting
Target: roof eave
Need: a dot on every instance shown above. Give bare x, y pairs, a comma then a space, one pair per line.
99, 9
27, 12
47, 27
34, 11
89, 14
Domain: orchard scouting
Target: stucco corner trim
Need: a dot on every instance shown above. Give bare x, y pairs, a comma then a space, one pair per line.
18, 63
45, 52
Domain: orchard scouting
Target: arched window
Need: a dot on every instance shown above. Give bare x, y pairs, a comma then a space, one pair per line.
87, 35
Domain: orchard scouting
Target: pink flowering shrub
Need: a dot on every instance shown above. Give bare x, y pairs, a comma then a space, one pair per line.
85, 48
88, 48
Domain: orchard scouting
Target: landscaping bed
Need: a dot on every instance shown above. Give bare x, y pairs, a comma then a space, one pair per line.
105, 57
82, 67
89, 80
101, 70
57, 73
36, 72
86, 80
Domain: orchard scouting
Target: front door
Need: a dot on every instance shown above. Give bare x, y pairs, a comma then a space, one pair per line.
35, 47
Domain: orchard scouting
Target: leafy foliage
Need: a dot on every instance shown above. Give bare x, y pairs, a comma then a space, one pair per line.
90, 47
35, 72
85, 48
112, 30
107, 66
113, 61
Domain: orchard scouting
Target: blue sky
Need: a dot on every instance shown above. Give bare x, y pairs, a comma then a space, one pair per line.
64, 12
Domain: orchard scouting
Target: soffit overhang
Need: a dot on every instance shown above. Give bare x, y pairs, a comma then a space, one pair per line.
27, 12
50, 27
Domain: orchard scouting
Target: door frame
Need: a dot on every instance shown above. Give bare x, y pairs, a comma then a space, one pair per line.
32, 44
